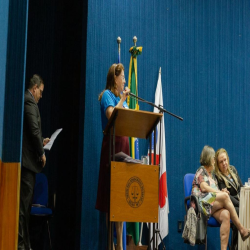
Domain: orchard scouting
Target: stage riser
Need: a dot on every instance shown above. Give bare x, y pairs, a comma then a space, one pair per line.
9, 204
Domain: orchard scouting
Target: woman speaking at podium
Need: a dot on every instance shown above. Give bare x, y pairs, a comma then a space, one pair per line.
112, 96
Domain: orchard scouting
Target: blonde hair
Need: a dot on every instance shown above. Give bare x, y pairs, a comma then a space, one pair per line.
219, 174
207, 155
114, 70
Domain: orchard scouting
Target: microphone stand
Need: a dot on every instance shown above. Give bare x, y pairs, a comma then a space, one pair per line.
156, 231
160, 108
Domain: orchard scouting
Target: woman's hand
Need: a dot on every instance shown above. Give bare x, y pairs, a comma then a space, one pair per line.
225, 190
125, 94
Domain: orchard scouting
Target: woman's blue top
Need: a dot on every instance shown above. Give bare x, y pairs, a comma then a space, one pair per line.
109, 99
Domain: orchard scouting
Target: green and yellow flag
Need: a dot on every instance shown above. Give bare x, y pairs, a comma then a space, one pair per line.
132, 84
133, 228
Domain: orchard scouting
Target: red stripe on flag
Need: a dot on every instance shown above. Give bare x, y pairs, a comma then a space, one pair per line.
152, 159
163, 190
163, 194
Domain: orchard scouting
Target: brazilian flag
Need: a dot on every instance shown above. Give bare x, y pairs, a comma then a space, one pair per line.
132, 84
133, 228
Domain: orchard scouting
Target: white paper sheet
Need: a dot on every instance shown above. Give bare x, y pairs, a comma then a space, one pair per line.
126, 158
52, 139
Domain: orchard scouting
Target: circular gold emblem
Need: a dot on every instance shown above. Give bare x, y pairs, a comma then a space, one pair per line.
134, 192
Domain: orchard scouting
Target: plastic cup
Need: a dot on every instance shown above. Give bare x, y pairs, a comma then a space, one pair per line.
144, 159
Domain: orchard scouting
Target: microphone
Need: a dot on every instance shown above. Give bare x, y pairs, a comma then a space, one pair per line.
133, 95
160, 108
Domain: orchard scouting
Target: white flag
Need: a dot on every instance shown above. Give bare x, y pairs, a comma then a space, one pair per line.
163, 194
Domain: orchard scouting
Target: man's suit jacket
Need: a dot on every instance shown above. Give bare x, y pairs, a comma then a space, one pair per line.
32, 135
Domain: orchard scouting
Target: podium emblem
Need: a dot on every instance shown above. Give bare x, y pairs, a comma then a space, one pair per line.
134, 192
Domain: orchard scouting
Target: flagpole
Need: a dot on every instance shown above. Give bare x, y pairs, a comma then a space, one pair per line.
119, 40
124, 230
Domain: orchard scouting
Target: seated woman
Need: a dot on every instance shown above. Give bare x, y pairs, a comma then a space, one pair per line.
228, 178
214, 201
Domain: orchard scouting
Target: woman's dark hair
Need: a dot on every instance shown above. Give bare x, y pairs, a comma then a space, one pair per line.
114, 70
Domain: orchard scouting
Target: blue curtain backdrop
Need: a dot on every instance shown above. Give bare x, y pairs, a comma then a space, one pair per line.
203, 50
13, 38
3, 52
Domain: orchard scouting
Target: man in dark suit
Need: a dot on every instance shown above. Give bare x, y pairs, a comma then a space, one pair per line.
33, 156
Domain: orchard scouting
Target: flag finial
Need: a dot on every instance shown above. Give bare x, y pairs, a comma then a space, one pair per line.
135, 40
119, 40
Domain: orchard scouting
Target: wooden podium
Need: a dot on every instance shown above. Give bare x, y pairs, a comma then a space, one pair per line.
134, 188
134, 192
132, 123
